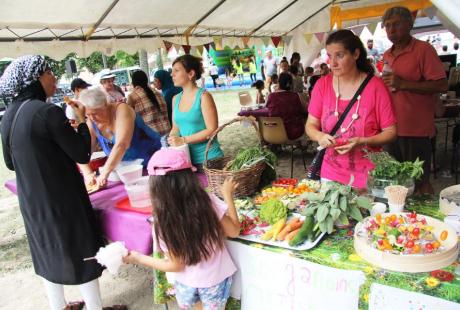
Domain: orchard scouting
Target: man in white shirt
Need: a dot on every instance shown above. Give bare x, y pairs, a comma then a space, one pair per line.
270, 66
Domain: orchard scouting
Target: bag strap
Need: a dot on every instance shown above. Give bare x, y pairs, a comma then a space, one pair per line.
350, 104
13, 125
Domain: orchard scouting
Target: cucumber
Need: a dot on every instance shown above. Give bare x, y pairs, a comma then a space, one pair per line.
304, 232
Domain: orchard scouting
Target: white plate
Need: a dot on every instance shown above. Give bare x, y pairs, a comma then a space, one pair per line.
282, 244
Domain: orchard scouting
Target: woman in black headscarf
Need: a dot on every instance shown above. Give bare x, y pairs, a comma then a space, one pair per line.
41, 147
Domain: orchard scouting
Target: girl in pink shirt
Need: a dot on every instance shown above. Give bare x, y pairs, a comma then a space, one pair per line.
369, 124
190, 227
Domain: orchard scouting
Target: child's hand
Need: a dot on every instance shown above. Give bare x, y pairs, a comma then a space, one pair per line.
228, 187
131, 258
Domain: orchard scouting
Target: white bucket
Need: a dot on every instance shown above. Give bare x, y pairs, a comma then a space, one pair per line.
138, 193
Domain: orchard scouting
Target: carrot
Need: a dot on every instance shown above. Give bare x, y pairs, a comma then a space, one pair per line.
283, 233
292, 234
293, 226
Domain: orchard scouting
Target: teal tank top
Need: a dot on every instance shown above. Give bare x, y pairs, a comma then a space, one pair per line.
191, 122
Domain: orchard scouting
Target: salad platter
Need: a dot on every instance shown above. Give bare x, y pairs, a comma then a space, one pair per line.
406, 242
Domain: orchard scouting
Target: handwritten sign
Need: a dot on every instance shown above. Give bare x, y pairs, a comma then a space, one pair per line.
267, 280
384, 297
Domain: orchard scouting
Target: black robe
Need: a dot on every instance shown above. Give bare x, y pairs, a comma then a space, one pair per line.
60, 223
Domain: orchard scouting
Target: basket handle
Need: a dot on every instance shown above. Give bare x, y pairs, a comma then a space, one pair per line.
249, 119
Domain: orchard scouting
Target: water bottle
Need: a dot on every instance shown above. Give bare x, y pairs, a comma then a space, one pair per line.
387, 70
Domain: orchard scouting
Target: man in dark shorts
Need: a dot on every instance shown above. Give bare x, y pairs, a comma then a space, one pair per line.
417, 76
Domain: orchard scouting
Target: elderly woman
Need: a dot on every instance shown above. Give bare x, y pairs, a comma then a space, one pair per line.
149, 103
41, 147
370, 122
119, 131
163, 81
113, 92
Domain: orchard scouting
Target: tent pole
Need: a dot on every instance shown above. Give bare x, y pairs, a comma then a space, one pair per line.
100, 20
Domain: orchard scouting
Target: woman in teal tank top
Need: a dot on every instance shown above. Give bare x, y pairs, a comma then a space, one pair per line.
194, 112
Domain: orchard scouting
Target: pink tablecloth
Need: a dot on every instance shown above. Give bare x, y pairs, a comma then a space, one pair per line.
255, 113
130, 227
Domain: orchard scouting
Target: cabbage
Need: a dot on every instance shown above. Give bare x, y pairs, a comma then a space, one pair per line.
272, 211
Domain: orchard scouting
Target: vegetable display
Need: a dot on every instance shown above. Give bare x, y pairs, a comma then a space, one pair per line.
386, 167
245, 158
334, 202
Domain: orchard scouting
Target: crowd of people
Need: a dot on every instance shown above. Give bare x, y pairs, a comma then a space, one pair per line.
395, 111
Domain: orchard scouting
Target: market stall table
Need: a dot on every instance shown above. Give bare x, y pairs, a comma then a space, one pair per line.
274, 278
119, 225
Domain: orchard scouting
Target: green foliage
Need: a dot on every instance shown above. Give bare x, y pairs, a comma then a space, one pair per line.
250, 156
126, 60
386, 167
58, 67
94, 62
335, 202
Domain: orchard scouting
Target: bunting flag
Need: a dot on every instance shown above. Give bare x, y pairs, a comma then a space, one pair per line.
168, 45
207, 46
308, 37
245, 41
320, 36
213, 46
358, 30
194, 51
186, 48
276, 41
372, 27
287, 40
414, 14
177, 47
266, 41
200, 49
430, 12
217, 42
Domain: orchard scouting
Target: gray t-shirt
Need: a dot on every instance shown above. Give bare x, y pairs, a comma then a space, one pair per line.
270, 66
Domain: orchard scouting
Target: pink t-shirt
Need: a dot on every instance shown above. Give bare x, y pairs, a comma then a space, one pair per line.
213, 271
415, 111
375, 113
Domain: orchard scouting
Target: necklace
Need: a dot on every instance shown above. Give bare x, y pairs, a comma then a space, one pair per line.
354, 116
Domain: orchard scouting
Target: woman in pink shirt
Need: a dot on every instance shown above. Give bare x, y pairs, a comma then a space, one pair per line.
369, 124
190, 227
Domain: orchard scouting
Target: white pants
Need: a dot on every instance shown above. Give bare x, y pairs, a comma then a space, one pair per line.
89, 291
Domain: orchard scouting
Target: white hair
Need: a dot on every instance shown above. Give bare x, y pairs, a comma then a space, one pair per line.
93, 98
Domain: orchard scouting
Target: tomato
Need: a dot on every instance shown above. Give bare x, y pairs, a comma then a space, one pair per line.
443, 235
387, 220
378, 217
416, 231
436, 244
409, 244
341, 141
413, 215
416, 248
429, 247
393, 217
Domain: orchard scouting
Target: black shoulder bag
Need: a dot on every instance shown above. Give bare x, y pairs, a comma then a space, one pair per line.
314, 170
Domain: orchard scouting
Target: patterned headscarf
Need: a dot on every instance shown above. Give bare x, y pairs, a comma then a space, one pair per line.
21, 73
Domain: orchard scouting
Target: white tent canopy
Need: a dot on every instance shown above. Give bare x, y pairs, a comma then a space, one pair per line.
56, 27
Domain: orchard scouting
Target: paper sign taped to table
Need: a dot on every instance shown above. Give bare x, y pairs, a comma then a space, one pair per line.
267, 280
384, 297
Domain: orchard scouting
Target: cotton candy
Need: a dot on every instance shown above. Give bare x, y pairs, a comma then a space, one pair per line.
111, 256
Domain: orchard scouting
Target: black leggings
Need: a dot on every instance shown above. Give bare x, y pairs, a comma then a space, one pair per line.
253, 77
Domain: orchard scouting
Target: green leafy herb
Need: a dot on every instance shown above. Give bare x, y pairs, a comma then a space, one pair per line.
386, 167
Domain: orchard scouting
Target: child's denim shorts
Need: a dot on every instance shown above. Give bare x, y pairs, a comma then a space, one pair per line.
212, 298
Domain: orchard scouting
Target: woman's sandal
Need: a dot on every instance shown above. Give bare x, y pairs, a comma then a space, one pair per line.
116, 307
76, 305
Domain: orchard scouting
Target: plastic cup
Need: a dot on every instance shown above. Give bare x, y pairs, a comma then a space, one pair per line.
396, 208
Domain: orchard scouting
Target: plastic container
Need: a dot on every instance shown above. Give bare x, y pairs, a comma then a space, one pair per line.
138, 193
129, 174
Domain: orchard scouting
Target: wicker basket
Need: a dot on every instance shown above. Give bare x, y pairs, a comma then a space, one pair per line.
248, 179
